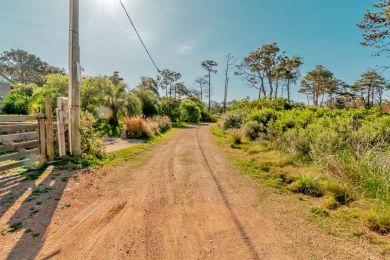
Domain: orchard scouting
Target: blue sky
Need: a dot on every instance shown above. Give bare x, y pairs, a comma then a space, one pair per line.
182, 33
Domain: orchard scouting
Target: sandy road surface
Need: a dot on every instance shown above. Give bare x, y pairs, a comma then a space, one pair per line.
184, 202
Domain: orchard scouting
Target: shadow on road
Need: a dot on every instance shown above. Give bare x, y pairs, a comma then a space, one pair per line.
29, 206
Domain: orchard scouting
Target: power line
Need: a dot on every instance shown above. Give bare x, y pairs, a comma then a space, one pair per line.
139, 36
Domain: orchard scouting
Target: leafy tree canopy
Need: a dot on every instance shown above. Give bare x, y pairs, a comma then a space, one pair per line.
19, 66
375, 27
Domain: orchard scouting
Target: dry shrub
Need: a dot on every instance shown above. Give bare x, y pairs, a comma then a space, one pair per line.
164, 123
236, 136
153, 128
136, 127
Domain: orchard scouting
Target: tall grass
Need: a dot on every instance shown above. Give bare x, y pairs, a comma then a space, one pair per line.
352, 145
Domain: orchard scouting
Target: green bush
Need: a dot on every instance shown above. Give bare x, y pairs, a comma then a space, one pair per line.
307, 185
91, 140
56, 85
19, 101
14, 104
263, 116
170, 107
207, 117
149, 100
189, 112
133, 105
252, 129
233, 120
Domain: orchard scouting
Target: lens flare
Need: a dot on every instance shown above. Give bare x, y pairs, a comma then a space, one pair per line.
104, 113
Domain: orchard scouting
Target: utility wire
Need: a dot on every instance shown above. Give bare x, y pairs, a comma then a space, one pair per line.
139, 36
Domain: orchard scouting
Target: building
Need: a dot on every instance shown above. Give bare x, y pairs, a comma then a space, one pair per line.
5, 89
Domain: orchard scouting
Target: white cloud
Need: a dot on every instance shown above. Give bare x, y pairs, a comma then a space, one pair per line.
184, 49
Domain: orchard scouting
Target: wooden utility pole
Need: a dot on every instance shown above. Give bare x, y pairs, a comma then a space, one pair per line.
74, 79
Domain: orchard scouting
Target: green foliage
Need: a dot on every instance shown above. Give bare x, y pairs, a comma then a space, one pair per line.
20, 66
307, 185
133, 105
170, 107
278, 104
149, 100
342, 193
252, 129
263, 116
206, 116
56, 85
12, 228
94, 93
378, 219
189, 112
319, 212
375, 27
233, 120
105, 129
91, 141
353, 145
330, 202
16, 104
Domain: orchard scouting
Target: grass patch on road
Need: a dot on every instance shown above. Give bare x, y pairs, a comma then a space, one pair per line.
121, 156
332, 205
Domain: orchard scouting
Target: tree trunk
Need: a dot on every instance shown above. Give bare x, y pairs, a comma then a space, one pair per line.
288, 90
271, 88
226, 86
263, 88
368, 95
201, 93
276, 88
209, 91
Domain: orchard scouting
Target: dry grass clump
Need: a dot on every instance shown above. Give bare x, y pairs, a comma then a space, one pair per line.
307, 185
138, 127
164, 122
236, 137
378, 220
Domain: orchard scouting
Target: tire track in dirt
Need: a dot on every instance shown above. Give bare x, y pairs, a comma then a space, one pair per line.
183, 200
239, 226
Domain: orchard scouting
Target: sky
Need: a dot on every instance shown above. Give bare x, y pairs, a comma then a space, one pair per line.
182, 33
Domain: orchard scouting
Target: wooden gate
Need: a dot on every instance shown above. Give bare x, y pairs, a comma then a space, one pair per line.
29, 139
19, 140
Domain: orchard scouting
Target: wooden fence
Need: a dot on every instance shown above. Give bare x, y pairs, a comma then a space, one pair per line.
28, 139
19, 140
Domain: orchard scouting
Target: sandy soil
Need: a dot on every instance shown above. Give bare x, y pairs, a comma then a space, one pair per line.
112, 144
183, 200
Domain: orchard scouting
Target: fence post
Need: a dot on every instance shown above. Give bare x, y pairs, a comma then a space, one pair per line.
61, 126
49, 129
42, 138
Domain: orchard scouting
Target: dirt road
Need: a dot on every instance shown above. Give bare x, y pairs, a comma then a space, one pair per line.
185, 201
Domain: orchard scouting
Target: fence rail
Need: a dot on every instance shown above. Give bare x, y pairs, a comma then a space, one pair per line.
19, 140
27, 139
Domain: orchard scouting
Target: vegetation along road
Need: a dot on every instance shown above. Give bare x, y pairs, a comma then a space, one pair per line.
182, 200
